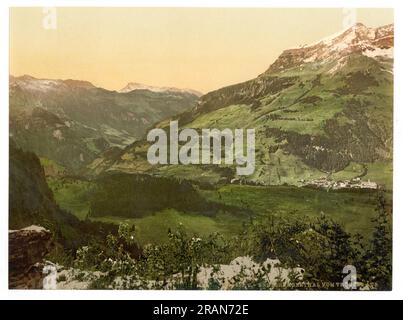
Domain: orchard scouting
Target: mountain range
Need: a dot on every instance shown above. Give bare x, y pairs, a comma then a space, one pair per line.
73, 122
320, 111
131, 86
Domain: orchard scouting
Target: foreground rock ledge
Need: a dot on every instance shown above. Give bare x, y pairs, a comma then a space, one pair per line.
27, 248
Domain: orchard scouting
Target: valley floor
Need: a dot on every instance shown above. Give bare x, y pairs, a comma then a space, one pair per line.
354, 209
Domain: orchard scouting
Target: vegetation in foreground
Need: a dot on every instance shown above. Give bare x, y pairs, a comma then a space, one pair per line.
110, 258
320, 248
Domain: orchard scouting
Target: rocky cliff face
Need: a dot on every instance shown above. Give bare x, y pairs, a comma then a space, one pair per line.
359, 39
27, 248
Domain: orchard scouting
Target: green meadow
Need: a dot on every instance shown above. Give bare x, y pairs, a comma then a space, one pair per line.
353, 209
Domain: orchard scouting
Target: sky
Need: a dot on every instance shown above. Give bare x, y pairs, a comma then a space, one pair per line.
199, 48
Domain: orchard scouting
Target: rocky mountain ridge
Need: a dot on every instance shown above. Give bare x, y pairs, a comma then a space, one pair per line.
372, 42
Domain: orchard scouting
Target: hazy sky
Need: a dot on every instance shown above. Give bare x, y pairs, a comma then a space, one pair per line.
198, 48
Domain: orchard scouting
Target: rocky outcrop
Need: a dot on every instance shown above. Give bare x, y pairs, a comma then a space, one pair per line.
356, 39
241, 270
27, 248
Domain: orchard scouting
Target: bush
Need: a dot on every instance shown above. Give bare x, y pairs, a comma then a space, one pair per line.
321, 247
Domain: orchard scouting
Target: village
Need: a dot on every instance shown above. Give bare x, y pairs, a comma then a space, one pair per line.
326, 183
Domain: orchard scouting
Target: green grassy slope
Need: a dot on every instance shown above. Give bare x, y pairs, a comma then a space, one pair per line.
311, 121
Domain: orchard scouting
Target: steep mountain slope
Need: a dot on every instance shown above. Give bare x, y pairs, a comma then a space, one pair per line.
320, 111
31, 202
72, 122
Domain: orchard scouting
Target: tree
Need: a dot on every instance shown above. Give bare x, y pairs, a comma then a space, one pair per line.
377, 260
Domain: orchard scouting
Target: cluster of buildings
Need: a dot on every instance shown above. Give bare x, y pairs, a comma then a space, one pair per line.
326, 183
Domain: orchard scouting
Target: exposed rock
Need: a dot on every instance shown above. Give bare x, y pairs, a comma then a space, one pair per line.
373, 42
27, 248
238, 272
74, 279
272, 271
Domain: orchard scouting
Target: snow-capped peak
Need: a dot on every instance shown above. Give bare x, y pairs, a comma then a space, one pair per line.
372, 42
131, 86
30, 83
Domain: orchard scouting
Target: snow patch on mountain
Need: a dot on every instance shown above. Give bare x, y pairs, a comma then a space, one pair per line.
46, 85
379, 52
372, 42
131, 86
33, 84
